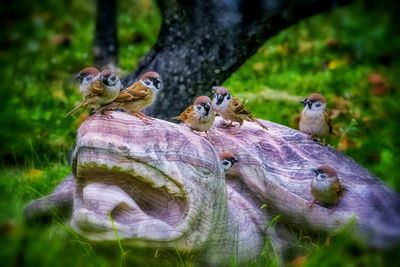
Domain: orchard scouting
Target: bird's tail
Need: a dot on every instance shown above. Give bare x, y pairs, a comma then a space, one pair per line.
261, 124
75, 109
178, 118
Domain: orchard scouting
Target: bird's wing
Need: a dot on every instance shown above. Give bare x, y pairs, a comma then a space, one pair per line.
134, 92
238, 107
337, 187
185, 114
95, 89
328, 119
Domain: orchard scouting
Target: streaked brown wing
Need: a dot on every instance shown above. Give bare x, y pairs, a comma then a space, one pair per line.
134, 92
238, 107
337, 187
328, 119
185, 114
96, 89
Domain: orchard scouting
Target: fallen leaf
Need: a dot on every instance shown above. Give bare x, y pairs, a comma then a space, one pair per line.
337, 63
380, 86
305, 46
33, 174
299, 261
258, 66
282, 49
331, 43
345, 143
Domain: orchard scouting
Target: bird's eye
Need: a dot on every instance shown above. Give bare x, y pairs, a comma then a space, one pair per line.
322, 176
225, 163
88, 78
147, 82
113, 77
318, 105
198, 107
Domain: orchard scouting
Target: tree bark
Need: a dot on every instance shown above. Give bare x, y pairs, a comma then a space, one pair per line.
105, 48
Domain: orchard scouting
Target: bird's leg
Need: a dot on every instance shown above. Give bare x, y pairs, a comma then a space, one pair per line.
145, 116
103, 111
311, 203
226, 124
106, 113
234, 132
208, 137
142, 117
323, 143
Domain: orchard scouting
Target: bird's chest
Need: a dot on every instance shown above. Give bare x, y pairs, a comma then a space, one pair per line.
312, 123
323, 191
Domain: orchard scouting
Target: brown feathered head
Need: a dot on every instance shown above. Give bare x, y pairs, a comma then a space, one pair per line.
220, 90
152, 80
314, 97
228, 159
201, 100
85, 72
328, 170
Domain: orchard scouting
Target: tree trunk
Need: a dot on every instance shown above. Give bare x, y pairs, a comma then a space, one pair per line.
105, 48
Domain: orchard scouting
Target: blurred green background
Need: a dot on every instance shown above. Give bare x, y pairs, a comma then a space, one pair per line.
350, 55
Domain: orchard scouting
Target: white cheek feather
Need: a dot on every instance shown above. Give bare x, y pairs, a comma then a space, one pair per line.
313, 113
198, 112
116, 86
223, 105
151, 86
227, 166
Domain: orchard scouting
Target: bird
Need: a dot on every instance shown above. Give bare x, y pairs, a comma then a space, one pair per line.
101, 92
231, 109
314, 119
138, 96
199, 116
86, 77
228, 159
325, 186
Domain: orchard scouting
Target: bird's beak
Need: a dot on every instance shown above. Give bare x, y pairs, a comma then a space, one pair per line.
235, 160
304, 102
77, 77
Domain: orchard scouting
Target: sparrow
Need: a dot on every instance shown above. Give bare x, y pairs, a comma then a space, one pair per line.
199, 116
325, 187
137, 96
228, 159
314, 120
101, 91
86, 77
231, 109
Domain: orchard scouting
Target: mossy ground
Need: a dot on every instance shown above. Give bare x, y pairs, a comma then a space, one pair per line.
341, 54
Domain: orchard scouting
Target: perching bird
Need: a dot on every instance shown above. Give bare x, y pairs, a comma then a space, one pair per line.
138, 96
101, 92
231, 109
314, 120
228, 159
199, 116
86, 77
326, 187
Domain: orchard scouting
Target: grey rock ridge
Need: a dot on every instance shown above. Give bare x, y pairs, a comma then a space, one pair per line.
162, 186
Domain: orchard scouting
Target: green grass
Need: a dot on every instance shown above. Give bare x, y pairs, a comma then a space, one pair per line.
331, 53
